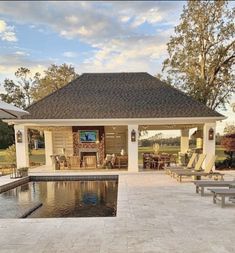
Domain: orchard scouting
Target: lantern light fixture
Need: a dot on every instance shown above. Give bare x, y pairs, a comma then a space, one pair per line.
211, 134
19, 137
133, 135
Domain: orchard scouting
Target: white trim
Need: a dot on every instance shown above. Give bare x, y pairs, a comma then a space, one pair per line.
120, 121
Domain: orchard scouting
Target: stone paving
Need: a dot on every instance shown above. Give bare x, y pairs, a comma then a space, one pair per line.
155, 215
7, 179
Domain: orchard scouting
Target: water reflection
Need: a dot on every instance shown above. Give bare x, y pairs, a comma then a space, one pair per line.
61, 199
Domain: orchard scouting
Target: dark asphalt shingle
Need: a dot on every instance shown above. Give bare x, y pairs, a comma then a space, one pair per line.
117, 95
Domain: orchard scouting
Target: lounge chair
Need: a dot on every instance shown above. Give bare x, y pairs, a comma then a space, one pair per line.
198, 174
222, 193
169, 169
201, 185
198, 166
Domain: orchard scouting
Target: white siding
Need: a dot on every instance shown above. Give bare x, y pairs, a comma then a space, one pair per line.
63, 138
115, 140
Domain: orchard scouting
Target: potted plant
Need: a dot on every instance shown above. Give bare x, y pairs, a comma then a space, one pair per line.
23, 172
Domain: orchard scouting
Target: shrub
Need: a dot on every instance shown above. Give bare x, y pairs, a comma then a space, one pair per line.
23, 172
10, 154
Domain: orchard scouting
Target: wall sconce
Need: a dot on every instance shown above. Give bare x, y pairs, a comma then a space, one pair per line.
19, 137
133, 135
211, 134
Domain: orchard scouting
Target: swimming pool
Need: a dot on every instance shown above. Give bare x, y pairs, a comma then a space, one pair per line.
60, 198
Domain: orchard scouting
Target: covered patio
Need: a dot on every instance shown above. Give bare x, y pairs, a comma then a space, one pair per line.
94, 121
114, 148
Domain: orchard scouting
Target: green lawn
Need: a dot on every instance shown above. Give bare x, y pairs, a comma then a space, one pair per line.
37, 156
2, 160
175, 149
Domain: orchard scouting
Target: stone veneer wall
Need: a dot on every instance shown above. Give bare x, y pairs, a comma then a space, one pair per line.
100, 146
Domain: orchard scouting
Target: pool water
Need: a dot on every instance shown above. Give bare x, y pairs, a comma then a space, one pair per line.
61, 199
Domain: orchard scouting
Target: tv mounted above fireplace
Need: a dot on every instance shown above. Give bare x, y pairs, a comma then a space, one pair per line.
88, 135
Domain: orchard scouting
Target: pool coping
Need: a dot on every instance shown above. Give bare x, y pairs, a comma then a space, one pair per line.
13, 184
24, 180
73, 177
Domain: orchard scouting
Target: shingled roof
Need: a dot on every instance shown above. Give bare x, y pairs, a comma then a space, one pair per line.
117, 95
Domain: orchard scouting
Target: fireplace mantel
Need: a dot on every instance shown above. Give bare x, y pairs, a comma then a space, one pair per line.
87, 150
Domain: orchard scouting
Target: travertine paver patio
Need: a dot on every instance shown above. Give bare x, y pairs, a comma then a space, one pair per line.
7, 179
155, 214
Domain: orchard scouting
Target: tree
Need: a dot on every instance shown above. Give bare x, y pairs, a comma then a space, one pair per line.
201, 53
228, 142
12, 94
55, 77
26, 81
6, 135
18, 92
166, 80
229, 129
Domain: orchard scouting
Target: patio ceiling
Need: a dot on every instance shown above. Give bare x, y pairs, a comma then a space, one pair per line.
168, 127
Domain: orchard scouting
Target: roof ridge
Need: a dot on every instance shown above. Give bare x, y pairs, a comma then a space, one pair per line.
108, 73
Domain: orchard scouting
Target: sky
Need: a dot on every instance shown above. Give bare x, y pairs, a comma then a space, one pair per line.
91, 36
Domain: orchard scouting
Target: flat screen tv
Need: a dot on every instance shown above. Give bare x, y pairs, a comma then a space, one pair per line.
88, 136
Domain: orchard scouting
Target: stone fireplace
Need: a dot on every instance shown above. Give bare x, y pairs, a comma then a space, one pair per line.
84, 152
82, 149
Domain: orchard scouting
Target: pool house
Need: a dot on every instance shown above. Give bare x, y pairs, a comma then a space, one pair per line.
95, 120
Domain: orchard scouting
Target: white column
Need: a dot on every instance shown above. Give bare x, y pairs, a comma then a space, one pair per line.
208, 145
199, 143
133, 149
199, 140
22, 149
184, 141
48, 147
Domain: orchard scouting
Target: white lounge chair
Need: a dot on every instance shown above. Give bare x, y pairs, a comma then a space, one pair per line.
208, 172
197, 167
170, 169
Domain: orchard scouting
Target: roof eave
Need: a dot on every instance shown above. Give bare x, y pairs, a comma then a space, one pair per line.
116, 121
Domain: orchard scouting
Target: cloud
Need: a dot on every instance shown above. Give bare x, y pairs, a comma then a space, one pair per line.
112, 29
21, 53
7, 32
91, 20
70, 54
139, 53
9, 63
149, 12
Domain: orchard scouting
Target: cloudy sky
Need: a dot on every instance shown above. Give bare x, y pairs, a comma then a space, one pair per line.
92, 36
